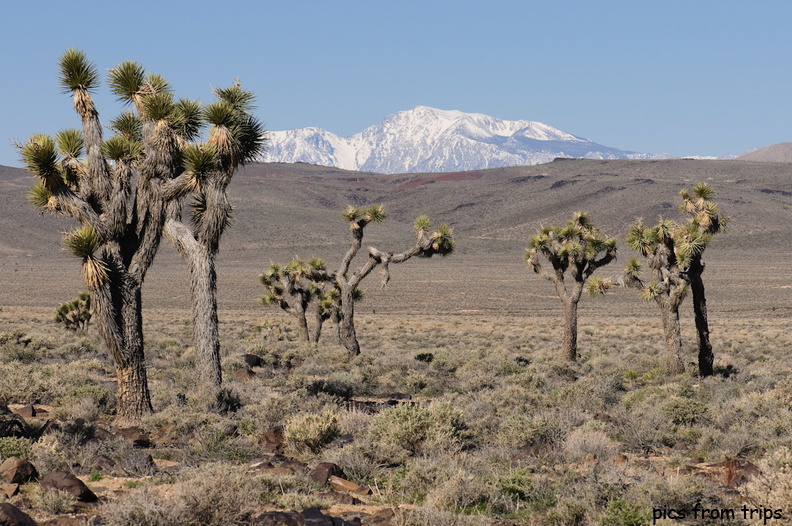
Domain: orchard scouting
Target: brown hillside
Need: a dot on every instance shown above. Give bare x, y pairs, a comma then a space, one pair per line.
776, 153
284, 210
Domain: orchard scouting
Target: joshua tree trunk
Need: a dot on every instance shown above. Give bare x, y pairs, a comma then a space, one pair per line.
706, 358
346, 331
203, 290
118, 309
570, 328
673, 338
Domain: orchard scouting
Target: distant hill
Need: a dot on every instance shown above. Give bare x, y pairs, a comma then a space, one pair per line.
776, 153
430, 140
287, 210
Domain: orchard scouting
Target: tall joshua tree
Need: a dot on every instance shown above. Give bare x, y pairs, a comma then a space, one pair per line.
235, 137
667, 248
574, 252
118, 190
705, 221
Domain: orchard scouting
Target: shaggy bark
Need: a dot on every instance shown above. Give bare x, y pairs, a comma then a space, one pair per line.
706, 357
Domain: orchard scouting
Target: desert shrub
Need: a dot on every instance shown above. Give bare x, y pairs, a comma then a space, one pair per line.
623, 513
583, 442
773, 487
215, 495
544, 430
15, 447
310, 431
355, 460
138, 508
568, 512
75, 314
685, 411
421, 516
525, 489
53, 501
404, 430
461, 491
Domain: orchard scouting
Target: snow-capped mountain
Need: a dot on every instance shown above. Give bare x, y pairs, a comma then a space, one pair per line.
431, 140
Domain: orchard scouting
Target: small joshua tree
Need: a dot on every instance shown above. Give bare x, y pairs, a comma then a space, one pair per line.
294, 287
705, 221
75, 314
574, 252
667, 248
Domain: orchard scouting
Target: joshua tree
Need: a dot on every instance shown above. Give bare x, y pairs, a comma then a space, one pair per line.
705, 221
75, 314
574, 251
667, 249
118, 192
235, 137
295, 286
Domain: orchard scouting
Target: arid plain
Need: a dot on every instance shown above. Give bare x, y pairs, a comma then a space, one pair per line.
535, 440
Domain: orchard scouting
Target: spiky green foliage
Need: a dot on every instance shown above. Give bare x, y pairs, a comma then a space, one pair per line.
121, 148
422, 225
156, 83
240, 100
128, 125
39, 196
597, 286
82, 242
188, 119
75, 314
221, 113
158, 106
40, 156
199, 161
442, 241
126, 81
70, 142
76, 72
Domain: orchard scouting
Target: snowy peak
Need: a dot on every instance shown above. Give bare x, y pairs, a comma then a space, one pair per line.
427, 139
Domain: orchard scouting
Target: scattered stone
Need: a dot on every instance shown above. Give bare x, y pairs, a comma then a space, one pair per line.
103, 434
135, 435
26, 411
339, 484
295, 466
277, 518
245, 374
9, 490
10, 515
252, 360
64, 481
15, 470
383, 517
322, 472
341, 498
273, 441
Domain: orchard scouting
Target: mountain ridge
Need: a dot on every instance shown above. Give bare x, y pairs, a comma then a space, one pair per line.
427, 139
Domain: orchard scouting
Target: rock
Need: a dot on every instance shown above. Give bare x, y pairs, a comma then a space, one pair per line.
277, 518
341, 498
104, 464
10, 515
273, 441
339, 484
322, 472
295, 466
15, 470
314, 517
9, 490
103, 434
252, 360
64, 481
135, 435
26, 411
384, 517
67, 521
245, 374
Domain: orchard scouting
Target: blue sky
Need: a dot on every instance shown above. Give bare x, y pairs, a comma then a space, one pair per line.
682, 77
